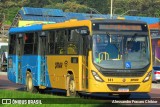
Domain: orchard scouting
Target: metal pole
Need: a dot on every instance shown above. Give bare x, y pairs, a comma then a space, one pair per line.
111, 9
127, 12
3, 24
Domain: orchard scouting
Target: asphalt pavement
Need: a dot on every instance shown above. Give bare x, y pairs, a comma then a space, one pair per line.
8, 85
154, 85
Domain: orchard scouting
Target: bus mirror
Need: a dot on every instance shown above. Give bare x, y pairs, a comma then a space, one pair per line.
83, 31
20, 35
42, 33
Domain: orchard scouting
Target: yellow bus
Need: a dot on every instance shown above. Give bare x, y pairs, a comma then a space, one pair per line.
93, 56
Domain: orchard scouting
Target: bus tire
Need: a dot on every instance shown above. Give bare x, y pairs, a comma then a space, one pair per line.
124, 96
71, 87
29, 83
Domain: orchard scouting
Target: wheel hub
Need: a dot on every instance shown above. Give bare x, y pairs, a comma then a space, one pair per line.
72, 86
29, 83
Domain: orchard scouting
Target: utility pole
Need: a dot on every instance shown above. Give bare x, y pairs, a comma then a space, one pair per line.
128, 11
111, 9
2, 24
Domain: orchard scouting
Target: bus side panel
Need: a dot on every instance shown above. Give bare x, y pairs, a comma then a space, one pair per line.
47, 79
43, 75
58, 66
12, 68
33, 64
30, 63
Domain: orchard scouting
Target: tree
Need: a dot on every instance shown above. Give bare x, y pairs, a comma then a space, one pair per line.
150, 8
37, 3
143, 7
69, 7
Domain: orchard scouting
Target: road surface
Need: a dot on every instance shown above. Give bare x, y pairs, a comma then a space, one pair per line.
8, 85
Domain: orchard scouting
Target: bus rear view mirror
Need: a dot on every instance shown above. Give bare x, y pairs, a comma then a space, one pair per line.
83, 31
43, 33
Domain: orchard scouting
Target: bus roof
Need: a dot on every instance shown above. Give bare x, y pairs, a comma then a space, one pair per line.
69, 24
77, 23
25, 29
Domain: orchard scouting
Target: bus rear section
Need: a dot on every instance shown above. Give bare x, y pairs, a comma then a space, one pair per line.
121, 59
26, 60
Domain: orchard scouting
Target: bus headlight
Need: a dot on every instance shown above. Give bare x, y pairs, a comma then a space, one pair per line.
147, 77
97, 77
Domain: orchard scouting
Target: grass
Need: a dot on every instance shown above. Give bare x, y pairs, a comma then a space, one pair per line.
49, 100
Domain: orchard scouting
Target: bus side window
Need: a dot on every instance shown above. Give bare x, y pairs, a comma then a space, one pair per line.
60, 41
71, 49
73, 40
35, 43
51, 42
12, 44
28, 43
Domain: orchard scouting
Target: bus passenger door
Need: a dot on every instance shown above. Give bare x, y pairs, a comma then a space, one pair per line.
85, 63
19, 52
42, 53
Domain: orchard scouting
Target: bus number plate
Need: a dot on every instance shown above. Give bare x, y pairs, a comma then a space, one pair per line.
123, 90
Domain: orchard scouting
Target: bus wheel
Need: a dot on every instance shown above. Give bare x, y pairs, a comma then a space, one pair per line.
29, 83
124, 96
71, 87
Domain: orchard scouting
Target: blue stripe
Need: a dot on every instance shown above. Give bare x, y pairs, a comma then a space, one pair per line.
148, 20
25, 29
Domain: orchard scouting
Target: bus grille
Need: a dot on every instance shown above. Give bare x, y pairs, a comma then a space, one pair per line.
116, 87
123, 74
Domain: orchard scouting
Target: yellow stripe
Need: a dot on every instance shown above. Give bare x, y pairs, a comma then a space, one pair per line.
68, 24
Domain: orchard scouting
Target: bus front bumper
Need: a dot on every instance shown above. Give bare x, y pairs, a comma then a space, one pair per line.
96, 86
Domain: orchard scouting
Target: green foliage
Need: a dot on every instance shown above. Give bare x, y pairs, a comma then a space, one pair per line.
10, 9
69, 7
37, 3
150, 8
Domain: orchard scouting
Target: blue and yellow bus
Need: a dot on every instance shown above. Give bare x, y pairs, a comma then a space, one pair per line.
93, 56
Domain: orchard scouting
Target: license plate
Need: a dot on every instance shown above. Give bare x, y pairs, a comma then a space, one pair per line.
123, 90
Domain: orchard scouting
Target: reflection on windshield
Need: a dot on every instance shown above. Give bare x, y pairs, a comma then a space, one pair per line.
120, 52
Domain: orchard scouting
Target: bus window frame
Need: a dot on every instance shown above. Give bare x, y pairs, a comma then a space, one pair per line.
35, 33
80, 47
39, 35
13, 44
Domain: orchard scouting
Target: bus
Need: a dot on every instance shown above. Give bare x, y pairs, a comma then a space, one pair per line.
3, 56
155, 34
89, 56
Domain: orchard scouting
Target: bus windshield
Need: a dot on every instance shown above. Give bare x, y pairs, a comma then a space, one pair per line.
119, 51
